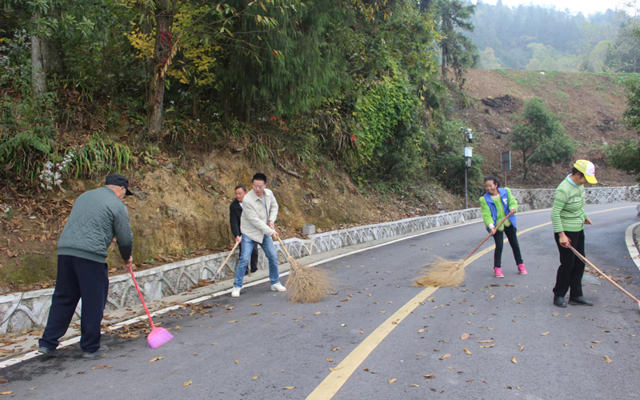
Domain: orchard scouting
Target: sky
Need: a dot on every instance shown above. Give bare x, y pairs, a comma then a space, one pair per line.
585, 6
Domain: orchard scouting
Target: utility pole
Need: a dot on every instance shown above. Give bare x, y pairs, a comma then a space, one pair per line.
468, 153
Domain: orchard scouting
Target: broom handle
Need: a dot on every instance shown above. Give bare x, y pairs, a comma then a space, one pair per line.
226, 259
284, 248
580, 256
141, 298
489, 235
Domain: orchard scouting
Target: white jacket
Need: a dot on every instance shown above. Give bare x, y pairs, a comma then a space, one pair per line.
254, 217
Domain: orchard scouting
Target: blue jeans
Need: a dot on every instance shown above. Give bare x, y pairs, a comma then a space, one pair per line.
269, 251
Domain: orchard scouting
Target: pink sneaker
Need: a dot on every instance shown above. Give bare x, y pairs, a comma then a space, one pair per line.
522, 269
498, 272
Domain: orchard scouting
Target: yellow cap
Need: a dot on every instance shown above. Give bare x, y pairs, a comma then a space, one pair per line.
588, 169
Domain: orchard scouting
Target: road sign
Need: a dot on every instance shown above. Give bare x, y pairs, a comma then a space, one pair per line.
505, 161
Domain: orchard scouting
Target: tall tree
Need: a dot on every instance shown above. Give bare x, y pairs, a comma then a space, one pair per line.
458, 51
540, 136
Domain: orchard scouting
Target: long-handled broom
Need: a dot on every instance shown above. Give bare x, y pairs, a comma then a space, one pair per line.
580, 256
226, 259
441, 272
305, 284
158, 336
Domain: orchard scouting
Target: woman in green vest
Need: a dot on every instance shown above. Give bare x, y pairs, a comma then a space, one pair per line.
568, 219
496, 204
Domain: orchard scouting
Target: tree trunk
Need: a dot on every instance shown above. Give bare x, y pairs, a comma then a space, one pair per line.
161, 59
38, 75
524, 165
444, 65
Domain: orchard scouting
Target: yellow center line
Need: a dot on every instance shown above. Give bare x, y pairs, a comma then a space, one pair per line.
340, 374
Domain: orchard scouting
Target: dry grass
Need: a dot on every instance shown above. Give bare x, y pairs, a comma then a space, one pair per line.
442, 273
306, 284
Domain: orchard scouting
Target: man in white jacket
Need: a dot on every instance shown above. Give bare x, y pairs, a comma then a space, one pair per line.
260, 211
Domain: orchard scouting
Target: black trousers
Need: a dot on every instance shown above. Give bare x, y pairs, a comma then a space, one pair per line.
78, 278
512, 236
254, 258
571, 267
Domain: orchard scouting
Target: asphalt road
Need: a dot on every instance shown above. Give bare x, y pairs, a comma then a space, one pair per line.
261, 347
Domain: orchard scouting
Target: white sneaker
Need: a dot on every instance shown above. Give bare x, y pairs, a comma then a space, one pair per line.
235, 292
278, 287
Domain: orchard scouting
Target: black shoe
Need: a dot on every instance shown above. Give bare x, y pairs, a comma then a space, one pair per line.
101, 351
253, 270
559, 301
48, 352
579, 301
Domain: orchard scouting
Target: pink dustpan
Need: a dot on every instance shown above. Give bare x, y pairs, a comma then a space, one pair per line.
158, 336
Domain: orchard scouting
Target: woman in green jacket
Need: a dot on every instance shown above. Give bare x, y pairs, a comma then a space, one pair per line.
496, 204
568, 219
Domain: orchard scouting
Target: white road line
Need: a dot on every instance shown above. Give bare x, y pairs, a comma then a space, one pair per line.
631, 246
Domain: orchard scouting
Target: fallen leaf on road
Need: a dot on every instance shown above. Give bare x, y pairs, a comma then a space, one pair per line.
3, 393
485, 341
236, 361
464, 336
596, 341
289, 387
187, 383
467, 351
420, 330
430, 376
317, 313
392, 380
233, 322
565, 316
255, 305
31, 388
444, 357
544, 334
177, 328
508, 387
156, 359
329, 360
335, 349
607, 359
555, 314
513, 360
521, 347
101, 367
488, 346
3, 381
382, 312
492, 296
254, 377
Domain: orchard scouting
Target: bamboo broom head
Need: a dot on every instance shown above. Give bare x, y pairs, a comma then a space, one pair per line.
306, 284
441, 273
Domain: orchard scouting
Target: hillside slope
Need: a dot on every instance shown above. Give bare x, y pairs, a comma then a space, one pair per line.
590, 107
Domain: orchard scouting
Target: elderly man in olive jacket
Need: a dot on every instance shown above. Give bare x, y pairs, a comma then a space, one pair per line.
97, 218
260, 211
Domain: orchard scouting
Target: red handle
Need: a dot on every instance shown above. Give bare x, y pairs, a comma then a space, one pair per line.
141, 298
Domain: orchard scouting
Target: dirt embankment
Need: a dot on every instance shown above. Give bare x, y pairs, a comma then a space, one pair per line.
590, 108
180, 213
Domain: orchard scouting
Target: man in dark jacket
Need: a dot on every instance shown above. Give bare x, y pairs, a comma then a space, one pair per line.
97, 218
235, 213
